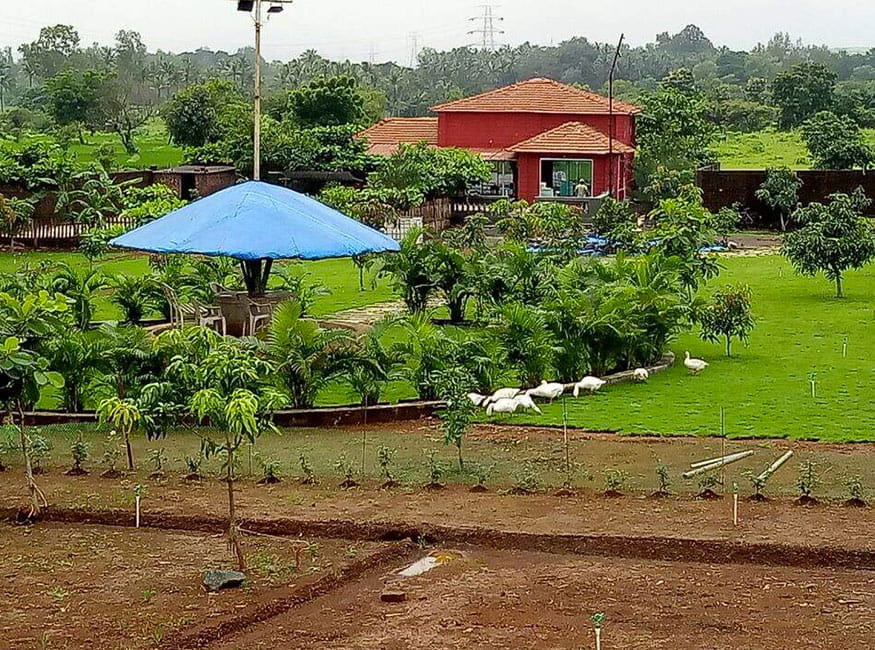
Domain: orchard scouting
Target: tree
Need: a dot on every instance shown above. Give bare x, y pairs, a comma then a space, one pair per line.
125, 114
195, 115
123, 414
52, 51
780, 191
727, 315
836, 142
24, 324
453, 385
327, 101
802, 91
81, 288
832, 238
74, 98
23, 374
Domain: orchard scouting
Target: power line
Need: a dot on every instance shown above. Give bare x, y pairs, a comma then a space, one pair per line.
488, 29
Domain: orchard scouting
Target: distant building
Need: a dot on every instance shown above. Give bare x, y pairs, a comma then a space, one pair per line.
545, 139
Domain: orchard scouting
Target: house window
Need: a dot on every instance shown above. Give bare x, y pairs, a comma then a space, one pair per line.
562, 177
502, 181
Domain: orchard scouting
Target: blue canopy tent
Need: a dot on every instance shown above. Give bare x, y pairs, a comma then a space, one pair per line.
257, 223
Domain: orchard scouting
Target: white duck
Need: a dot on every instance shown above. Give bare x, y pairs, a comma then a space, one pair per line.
546, 390
526, 402
476, 398
695, 366
590, 383
640, 374
503, 405
502, 393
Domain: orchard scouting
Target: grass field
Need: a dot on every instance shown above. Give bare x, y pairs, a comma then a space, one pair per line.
151, 139
765, 387
766, 149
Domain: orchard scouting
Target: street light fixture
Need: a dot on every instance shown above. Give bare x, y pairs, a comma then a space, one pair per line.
254, 7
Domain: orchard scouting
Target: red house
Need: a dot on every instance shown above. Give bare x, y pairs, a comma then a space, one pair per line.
545, 139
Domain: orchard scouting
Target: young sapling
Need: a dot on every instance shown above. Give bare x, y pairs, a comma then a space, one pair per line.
855, 491
385, 458
707, 484
79, 452
308, 477
664, 479
526, 479
158, 459
345, 469
482, 473
193, 465
807, 481
436, 471
270, 470
111, 456
615, 479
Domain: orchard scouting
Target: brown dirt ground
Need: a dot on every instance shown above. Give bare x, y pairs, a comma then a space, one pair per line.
501, 599
63, 586
778, 521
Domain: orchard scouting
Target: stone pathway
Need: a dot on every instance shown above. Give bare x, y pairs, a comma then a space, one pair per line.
360, 319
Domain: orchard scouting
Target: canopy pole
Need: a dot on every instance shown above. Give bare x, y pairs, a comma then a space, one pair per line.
256, 274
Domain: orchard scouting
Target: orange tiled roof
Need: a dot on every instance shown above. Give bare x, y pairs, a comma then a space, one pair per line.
385, 136
538, 96
571, 137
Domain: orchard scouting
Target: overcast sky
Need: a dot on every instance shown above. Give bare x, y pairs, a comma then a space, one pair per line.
382, 29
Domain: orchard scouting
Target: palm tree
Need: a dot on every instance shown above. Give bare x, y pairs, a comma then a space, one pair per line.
306, 356
81, 288
76, 356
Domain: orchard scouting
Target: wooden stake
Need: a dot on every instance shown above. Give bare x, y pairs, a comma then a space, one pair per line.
735, 504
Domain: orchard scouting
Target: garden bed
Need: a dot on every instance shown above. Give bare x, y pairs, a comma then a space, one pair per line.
140, 588
504, 599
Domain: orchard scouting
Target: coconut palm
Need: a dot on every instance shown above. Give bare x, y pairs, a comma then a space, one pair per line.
81, 287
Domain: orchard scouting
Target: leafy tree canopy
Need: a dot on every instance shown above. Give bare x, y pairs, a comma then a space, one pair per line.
327, 101
836, 142
802, 91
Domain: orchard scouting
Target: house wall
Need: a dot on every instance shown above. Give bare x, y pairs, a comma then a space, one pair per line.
501, 130
529, 170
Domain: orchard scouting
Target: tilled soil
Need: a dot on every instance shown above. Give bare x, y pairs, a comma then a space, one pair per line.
501, 599
75, 586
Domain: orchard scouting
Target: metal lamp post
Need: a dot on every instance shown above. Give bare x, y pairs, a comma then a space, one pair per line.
254, 7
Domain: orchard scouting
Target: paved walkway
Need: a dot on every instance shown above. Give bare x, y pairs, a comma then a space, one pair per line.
360, 319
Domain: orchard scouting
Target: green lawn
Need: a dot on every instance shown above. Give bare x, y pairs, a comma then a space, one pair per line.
766, 149
764, 388
152, 141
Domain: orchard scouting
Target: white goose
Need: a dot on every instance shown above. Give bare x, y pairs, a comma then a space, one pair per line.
502, 393
695, 366
526, 402
503, 405
546, 390
641, 374
476, 398
590, 383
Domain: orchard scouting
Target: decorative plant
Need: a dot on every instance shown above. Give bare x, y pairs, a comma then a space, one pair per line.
727, 315
758, 482
482, 474
40, 448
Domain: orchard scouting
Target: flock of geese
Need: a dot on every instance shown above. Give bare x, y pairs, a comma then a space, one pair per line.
510, 400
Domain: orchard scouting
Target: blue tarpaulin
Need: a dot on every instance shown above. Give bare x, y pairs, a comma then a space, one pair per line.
254, 221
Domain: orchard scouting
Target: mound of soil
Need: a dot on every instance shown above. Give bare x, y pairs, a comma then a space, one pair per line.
806, 500
194, 476
348, 483
758, 498
565, 492
478, 489
659, 494
709, 495
157, 475
856, 503
388, 484
434, 486
76, 471
269, 480
111, 473
612, 494
519, 491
